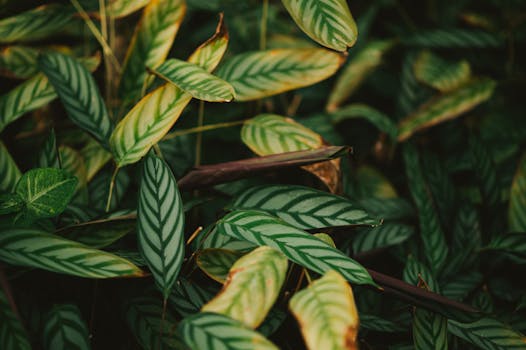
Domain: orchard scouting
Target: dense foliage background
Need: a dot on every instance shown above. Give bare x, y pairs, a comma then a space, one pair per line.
102, 177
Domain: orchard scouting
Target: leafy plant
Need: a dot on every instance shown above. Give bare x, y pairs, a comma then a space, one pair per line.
234, 174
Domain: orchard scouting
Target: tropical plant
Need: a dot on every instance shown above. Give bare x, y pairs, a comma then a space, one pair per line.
209, 174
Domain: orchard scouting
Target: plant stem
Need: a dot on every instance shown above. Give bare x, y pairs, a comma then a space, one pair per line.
199, 129
198, 143
112, 184
263, 26
163, 317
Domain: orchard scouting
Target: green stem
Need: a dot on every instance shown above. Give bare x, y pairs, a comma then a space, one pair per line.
112, 184
203, 128
263, 26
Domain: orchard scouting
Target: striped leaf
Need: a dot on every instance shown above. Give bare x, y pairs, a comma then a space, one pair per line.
122, 8
415, 273
73, 163
188, 298
216, 263
462, 285
388, 208
99, 233
446, 107
513, 243
385, 235
328, 22
440, 74
370, 182
160, 222
252, 287
411, 93
453, 38
485, 171
255, 75
358, 69
64, 328
517, 207
9, 173
99, 189
272, 323
150, 44
29, 247
49, 156
303, 207
10, 203
155, 114
435, 246
195, 81
299, 246
327, 314
375, 117
378, 324
207, 330
79, 94
429, 330
18, 61
488, 334
12, 333
46, 191
268, 134
34, 24
95, 157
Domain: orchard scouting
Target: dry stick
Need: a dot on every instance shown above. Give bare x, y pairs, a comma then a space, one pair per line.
112, 184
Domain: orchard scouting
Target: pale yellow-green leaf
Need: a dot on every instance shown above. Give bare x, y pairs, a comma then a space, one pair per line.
122, 8
371, 183
216, 262
440, 74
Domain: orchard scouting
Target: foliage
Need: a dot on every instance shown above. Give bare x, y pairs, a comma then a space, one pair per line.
206, 174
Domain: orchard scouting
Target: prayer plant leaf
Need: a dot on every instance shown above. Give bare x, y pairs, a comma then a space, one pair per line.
12, 332
439, 74
487, 334
64, 328
216, 262
517, 208
9, 173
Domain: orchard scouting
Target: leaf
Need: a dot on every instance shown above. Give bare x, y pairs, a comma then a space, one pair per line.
325, 238
259, 74
417, 273
34, 248
48, 156
95, 157
195, 80
485, 171
79, 94
517, 206
488, 334
268, 134
12, 333
513, 243
122, 8
18, 61
99, 189
462, 285
216, 263
64, 328
375, 117
73, 163
252, 287
101, 233
388, 208
370, 182
446, 107
188, 298
150, 44
328, 22
10, 203
299, 246
160, 223
9, 173
452, 38
207, 330
326, 313
34, 24
386, 235
356, 71
303, 207
378, 324
429, 330
440, 74
154, 115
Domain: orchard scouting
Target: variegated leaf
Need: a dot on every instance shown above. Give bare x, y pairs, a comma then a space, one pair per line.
375, 117
99, 233
299, 246
385, 235
517, 208
216, 262
49, 156
328, 22
160, 222
12, 332
439, 74
122, 8
18, 61
252, 287
512, 243
488, 334
303, 207
188, 297
64, 328
95, 157
9, 173
429, 330
327, 314
265, 73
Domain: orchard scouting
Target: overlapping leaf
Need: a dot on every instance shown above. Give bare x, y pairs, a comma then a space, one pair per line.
452, 38
160, 219
99, 233
265, 73
329, 22
18, 61
9, 173
385, 235
513, 243
35, 248
370, 182
327, 314
64, 328
439, 74
517, 208
187, 297
487, 334
49, 156
429, 330
299, 246
214, 331
303, 207
95, 157
252, 287
377, 118
216, 262
12, 332
122, 8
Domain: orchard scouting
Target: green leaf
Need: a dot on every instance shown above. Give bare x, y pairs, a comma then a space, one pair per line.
252, 287
195, 81
46, 191
274, 320
513, 243
517, 208
488, 334
49, 156
485, 171
440, 74
326, 313
452, 38
216, 262
447, 106
79, 94
356, 71
34, 248
386, 235
99, 233
375, 117
388, 208
370, 182
160, 222
9, 173
462, 285
19, 61
12, 333
268, 134
150, 44
303, 207
34, 24
429, 330
122, 8
378, 324
328, 22
95, 157
188, 298
415, 273
73, 163
64, 328
325, 238
99, 189
299, 246
255, 75
10, 203
207, 330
